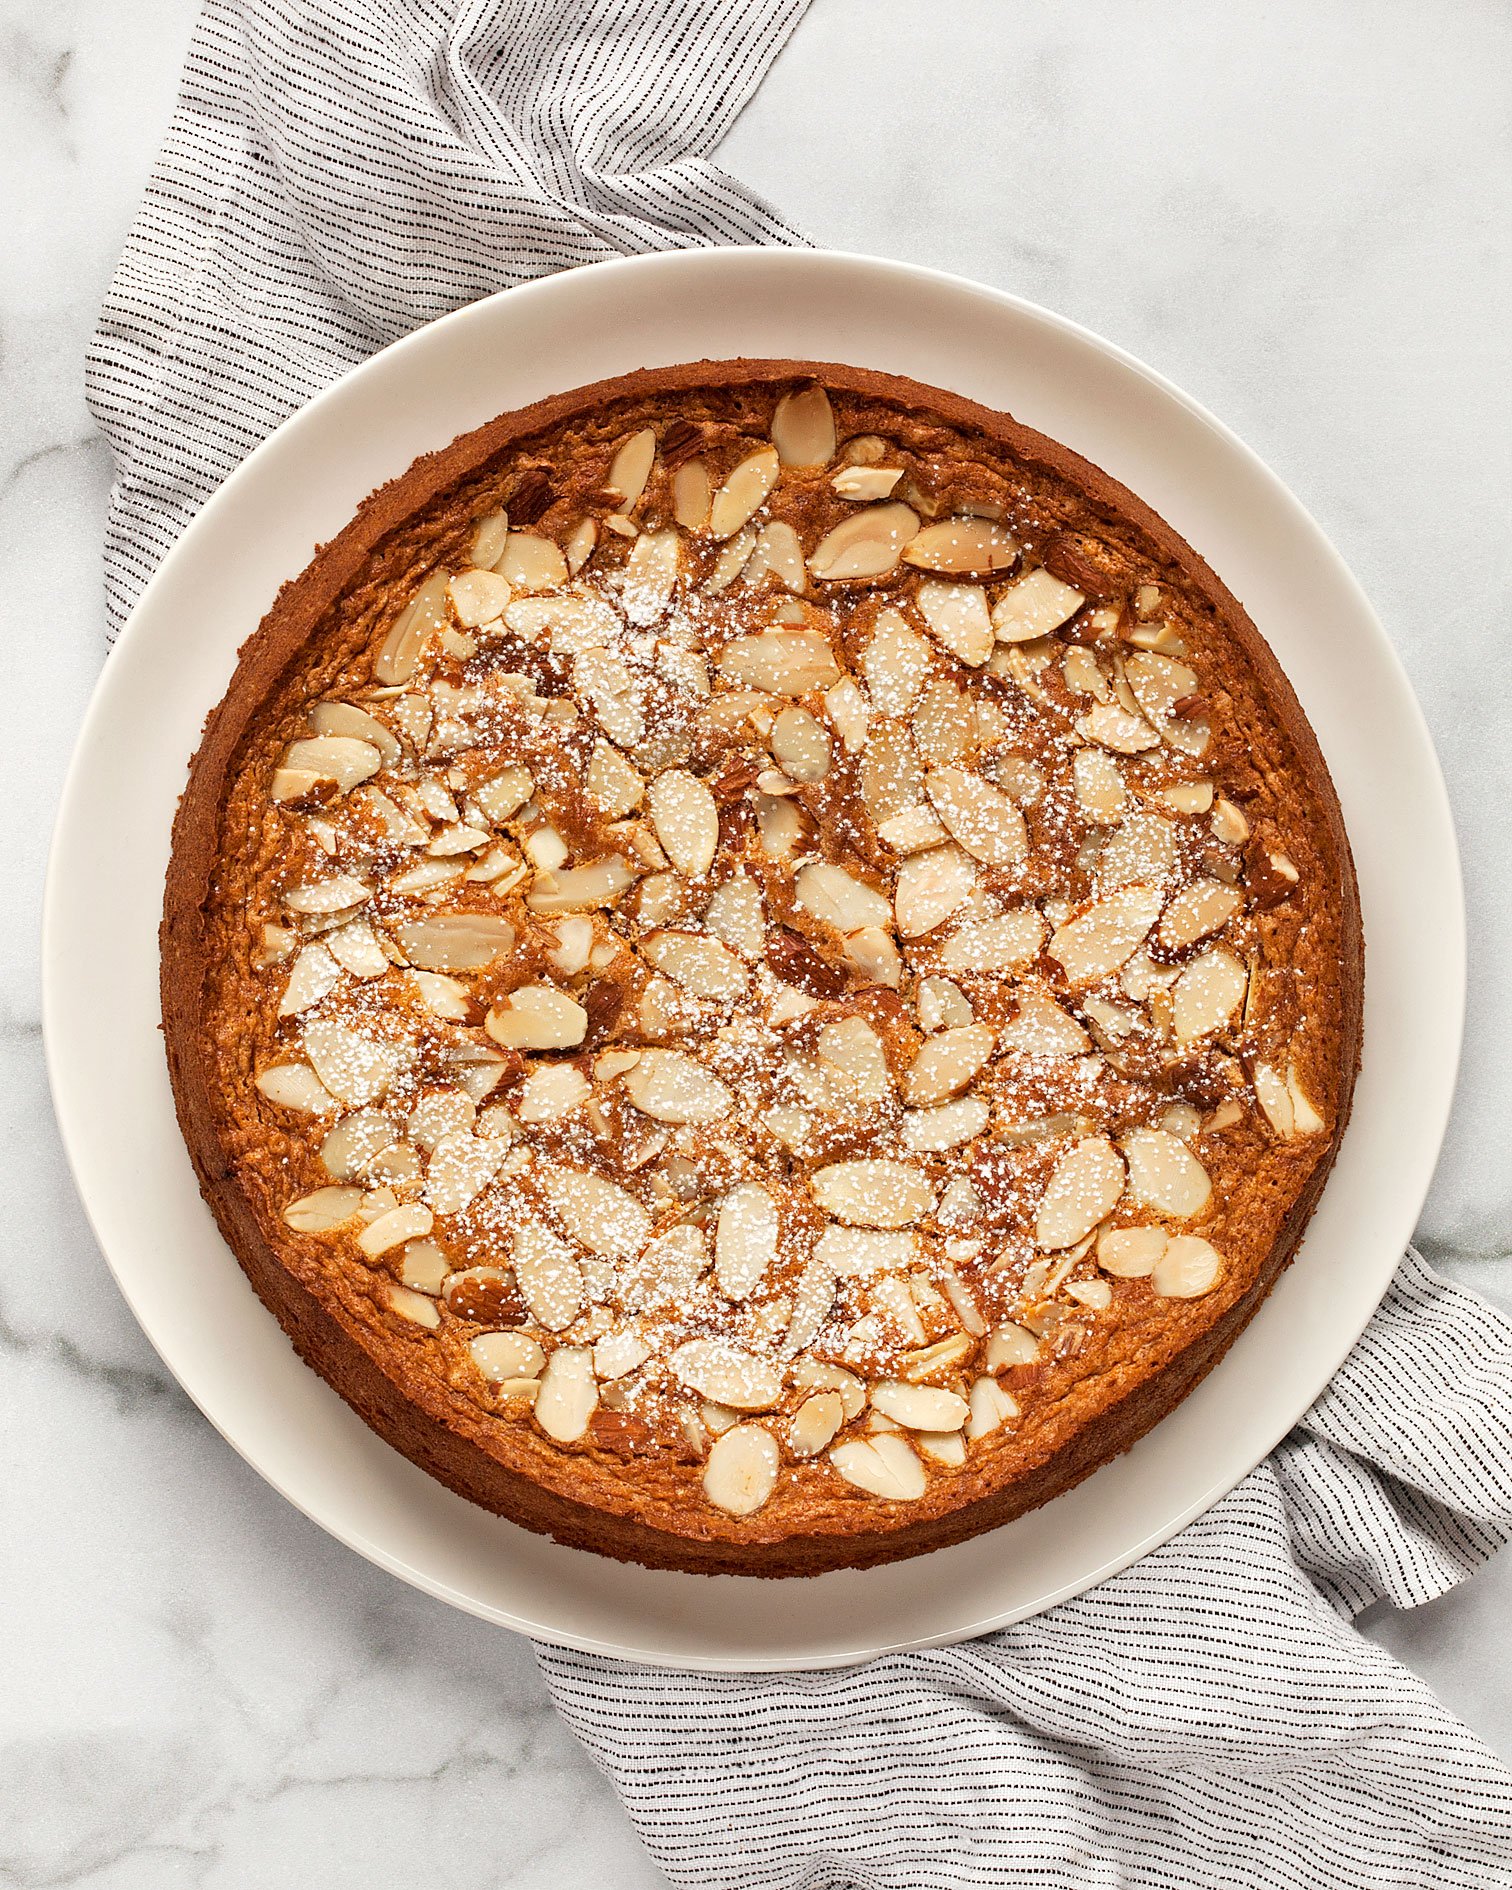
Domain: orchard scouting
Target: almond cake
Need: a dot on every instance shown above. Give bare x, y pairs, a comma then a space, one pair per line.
760, 966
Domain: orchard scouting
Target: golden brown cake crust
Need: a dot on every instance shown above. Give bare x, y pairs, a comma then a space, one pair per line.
1084, 1403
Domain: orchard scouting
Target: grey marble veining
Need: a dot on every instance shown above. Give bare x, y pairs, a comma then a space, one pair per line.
1297, 212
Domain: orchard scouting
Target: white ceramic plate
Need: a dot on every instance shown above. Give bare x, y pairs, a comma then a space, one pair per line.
111, 1088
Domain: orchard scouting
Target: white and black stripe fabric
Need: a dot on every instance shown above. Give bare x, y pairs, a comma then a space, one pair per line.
336, 173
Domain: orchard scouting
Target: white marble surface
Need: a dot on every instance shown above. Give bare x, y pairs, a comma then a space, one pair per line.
1299, 212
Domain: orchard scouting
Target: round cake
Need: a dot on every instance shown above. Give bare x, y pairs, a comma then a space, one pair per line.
760, 966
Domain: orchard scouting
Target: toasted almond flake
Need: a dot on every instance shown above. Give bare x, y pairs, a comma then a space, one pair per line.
852, 1050
882, 1466
298, 784
355, 948
803, 428
325, 1209
614, 694
1112, 726
419, 1308
537, 1017
957, 616
454, 941
479, 596
1011, 1345
423, 617
895, 663
1197, 911
873, 1192
412, 1220
548, 1094
461, 1167
1273, 1093
949, 1126
504, 794
744, 492
868, 544
598, 1213
324, 896
1305, 1118
801, 745
979, 816
1130, 1253
424, 1267
941, 723
1207, 994
781, 662
315, 973
735, 915
947, 1062
1092, 947
718, 1369
778, 553
815, 1422
549, 1275
1083, 1189
1099, 786
691, 495
1041, 1028
839, 899
295, 1086
733, 557
581, 888
1140, 851
568, 1396
912, 830
1033, 607
864, 483
855, 1252
700, 965
1189, 1268
670, 1086
1164, 1174
501, 1356
991, 1407
920, 1407
442, 996
961, 545
998, 944
741, 1472
355, 1068
931, 888
489, 538
532, 563
745, 1240
650, 577
631, 467
580, 544
346, 720
349, 1148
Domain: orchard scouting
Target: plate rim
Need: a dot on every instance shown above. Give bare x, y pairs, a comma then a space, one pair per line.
75, 790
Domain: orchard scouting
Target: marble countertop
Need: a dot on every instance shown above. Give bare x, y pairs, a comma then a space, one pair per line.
1299, 213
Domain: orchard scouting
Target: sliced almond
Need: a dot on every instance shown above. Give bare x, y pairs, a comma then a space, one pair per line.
950, 1125
1010, 1345
895, 663
781, 662
801, 745
418, 1308
1083, 1189
991, 1408
550, 1093
581, 888
699, 964
686, 819
872, 952
718, 1369
1112, 726
957, 616
346, 719
1189, 1268
853, 1050
461, 1167
742, 1470
1092, 947
1164, 1174
779, 554
803, 428
1040, 1028
745, 1240
1305, 1118
669, 1086
735, 915
1003, 943
532, 563
351, 1145
650, 577
568, 1397
931, 888
1197, 911
948, 1062
549, 1275
1130, 1253
479, 596
874, 1192
1098, 785
961, 545
912, 831
504, 1355
920, 1407
839, 899
314, 974
325, 1209
412, 1220
355, 1068
631, 467
614, 694
691, 495
982, 818
744, 492
1207, 994
864, 483
882, 1466
454, 941
941, 723
815, 1422
613, 783
1033, 607
598, 1213
423, 617
1273, 1093
537, 1017
295, 1086
868, 544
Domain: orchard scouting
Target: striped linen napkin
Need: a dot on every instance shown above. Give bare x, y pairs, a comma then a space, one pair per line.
337, 173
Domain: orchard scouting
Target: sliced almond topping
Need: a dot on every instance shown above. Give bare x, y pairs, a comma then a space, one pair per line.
479, 596
961, 545
852, 1049
295, 1086
669, 1086
1164, 1174
454, 941
1099, 786
314, 974
742, 1470
699, 964
537, 1017
957, 616
1187, 1269
874, 1192
598, 1213
686, 819
1207, 994
568, 1396
423, 617
691, 495
340, 758
418, 1308
745, 1240
488, 540
410, 1221
941, 723
1112, 726
801, 745
1083, 1190
1305, 1118
839, 899
866, 482
911, 831
815, 1422
1011, 1345
442, 996
920, 1407
616, 698
872, 952
550, 1093
581, 888
744, 492
991, 1408
998, 944
532, 563
868, 544
1093, 947
1159, 683
717, 1369
735, 915
782, 662
650, 577
882, 1466
895, 663
631, 467
355, 1068
504, 1355
351, 1145
326, 1208
1033, 607
733, 557
982, 818
549, 1275
803, 428
461, 1167
613, 783
948, 1062
1040, 1028
931, 888
580, 544
1130, 1253
778, 552
1198, 910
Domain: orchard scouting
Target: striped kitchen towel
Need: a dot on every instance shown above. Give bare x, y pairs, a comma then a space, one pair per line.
338, 172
